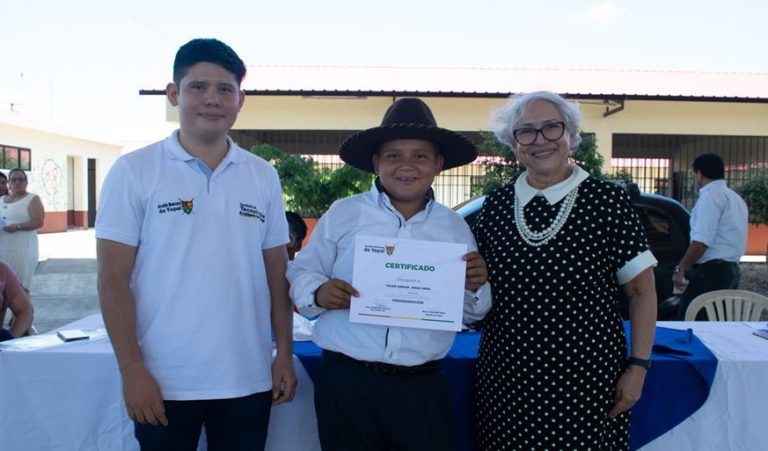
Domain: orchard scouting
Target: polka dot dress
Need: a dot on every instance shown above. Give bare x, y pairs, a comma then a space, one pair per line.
553, 345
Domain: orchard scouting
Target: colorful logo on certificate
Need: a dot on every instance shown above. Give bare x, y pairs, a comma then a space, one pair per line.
389, 248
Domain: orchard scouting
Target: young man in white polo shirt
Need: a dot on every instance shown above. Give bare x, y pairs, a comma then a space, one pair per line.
191, 269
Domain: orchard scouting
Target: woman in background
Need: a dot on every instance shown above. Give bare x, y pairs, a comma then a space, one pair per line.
3, 184
22, 215
13, 298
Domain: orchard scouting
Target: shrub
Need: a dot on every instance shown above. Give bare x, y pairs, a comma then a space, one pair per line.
755, 194
504, 166
309, 189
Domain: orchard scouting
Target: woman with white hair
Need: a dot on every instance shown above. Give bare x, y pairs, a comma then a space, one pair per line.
553, 370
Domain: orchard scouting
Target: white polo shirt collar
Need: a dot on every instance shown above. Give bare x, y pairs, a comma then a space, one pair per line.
175, 151
555, 193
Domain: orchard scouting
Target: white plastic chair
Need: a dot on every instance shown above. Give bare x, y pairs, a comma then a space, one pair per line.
728, 305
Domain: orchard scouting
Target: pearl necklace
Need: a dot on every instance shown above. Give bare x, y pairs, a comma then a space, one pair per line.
537, 239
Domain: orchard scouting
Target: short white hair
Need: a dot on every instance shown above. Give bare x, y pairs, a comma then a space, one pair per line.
505, 119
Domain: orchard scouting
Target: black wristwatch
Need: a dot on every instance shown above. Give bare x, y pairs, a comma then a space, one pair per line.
639, 362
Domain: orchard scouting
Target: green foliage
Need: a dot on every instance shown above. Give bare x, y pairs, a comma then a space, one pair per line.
309, 189
621, 174
503, 167
755, 194
587, 156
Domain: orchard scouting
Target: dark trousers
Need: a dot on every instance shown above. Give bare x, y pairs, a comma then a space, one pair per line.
5, 334
380, 408
710, 276
237, 424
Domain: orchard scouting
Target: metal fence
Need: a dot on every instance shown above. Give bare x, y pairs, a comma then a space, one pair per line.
451, 187
663, 163
650, 174
657, 163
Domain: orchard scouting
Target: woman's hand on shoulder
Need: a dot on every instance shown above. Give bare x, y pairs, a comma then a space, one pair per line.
477, 271
335, 294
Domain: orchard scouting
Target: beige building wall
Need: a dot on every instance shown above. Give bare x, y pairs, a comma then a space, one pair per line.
678, 118
471, 114
349, 113
59, 171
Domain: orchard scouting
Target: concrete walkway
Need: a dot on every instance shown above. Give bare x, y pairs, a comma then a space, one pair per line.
64, 285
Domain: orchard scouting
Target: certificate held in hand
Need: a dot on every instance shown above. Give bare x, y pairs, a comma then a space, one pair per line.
408, 283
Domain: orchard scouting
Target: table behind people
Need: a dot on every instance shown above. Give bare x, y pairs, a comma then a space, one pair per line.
89, 414
68, 396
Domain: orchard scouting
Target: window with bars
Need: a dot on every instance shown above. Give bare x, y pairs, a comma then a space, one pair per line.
12, 157
662, 164
650, 174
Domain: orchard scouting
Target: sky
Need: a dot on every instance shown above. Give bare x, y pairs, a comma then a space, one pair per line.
80, 64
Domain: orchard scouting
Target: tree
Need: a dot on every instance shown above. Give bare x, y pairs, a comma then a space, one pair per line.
755, 194
502, 166
309, 188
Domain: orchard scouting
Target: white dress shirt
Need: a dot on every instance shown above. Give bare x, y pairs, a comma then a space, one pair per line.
330, 254
720, 219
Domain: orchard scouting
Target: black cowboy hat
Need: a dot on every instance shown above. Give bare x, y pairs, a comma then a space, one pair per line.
408, 118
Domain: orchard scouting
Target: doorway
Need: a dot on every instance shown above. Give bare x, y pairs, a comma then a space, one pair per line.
91, 192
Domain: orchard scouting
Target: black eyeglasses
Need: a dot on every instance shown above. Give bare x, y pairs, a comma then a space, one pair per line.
17, 179
526, 136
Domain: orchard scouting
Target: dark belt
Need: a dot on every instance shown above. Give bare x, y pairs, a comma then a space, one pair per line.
716, 261
380, 367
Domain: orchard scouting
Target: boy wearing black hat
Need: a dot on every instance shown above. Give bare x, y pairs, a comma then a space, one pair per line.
380, 387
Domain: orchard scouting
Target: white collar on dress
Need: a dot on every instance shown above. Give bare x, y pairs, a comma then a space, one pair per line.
555, 193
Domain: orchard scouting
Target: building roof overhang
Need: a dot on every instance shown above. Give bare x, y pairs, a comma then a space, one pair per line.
481, 82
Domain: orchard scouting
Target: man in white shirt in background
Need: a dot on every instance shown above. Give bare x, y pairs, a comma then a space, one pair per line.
718, 235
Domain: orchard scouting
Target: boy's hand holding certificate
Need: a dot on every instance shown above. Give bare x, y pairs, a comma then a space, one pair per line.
408, 283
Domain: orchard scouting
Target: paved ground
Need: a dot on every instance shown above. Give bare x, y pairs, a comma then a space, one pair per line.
64, 285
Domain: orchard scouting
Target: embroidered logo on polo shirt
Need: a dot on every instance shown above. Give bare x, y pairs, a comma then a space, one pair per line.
173, 206
187, 205
251, 211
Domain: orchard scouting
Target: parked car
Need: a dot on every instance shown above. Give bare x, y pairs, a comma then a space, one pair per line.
667, 227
